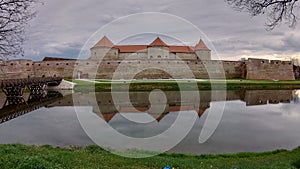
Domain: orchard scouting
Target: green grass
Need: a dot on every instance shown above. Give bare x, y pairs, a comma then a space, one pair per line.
231, 84
44, 157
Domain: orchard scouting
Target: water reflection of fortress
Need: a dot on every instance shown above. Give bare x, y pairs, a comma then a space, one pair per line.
140, 101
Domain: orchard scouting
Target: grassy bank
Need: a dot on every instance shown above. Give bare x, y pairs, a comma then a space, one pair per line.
232, 84
34, 157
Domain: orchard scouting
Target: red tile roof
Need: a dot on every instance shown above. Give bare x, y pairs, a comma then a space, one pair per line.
201, 46
181, 49
131, 48
104, 42
158, 42
143, 48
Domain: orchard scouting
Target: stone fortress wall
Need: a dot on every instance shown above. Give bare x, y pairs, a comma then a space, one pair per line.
147, 62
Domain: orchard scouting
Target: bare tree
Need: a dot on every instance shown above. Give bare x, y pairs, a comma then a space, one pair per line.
14, 16
276, 10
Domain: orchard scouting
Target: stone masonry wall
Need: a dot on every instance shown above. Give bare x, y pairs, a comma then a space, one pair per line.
149, 69
269, 70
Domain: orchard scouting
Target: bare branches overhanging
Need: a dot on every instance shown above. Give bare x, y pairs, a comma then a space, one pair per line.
276, 10
14, 15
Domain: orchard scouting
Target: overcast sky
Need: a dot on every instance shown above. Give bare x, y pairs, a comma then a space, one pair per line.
61, 28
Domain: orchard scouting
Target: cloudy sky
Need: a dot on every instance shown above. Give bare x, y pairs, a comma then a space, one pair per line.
61, 28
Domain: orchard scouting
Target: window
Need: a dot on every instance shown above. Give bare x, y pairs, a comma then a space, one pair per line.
67, 63
27, 64
158, 56
262, 61
57, 64
151, 56
11, 64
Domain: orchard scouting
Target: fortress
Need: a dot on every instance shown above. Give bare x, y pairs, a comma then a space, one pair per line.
106, 58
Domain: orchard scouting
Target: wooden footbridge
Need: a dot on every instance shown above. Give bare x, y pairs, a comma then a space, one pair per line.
14, 88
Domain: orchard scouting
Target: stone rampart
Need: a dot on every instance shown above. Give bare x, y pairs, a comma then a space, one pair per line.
149, 69
262, 69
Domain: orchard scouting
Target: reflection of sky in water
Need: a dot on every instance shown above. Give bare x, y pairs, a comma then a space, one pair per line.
251, 128
56, 126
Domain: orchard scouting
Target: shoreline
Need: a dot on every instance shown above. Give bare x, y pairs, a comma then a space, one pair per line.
23, 156
167, 85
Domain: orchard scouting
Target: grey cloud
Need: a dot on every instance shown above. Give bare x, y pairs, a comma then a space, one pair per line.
64, 24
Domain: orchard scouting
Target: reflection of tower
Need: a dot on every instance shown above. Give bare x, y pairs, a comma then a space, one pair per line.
108, 116
296, 96
201, 111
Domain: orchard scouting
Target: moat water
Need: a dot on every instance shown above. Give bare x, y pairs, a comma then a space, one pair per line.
252, 121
